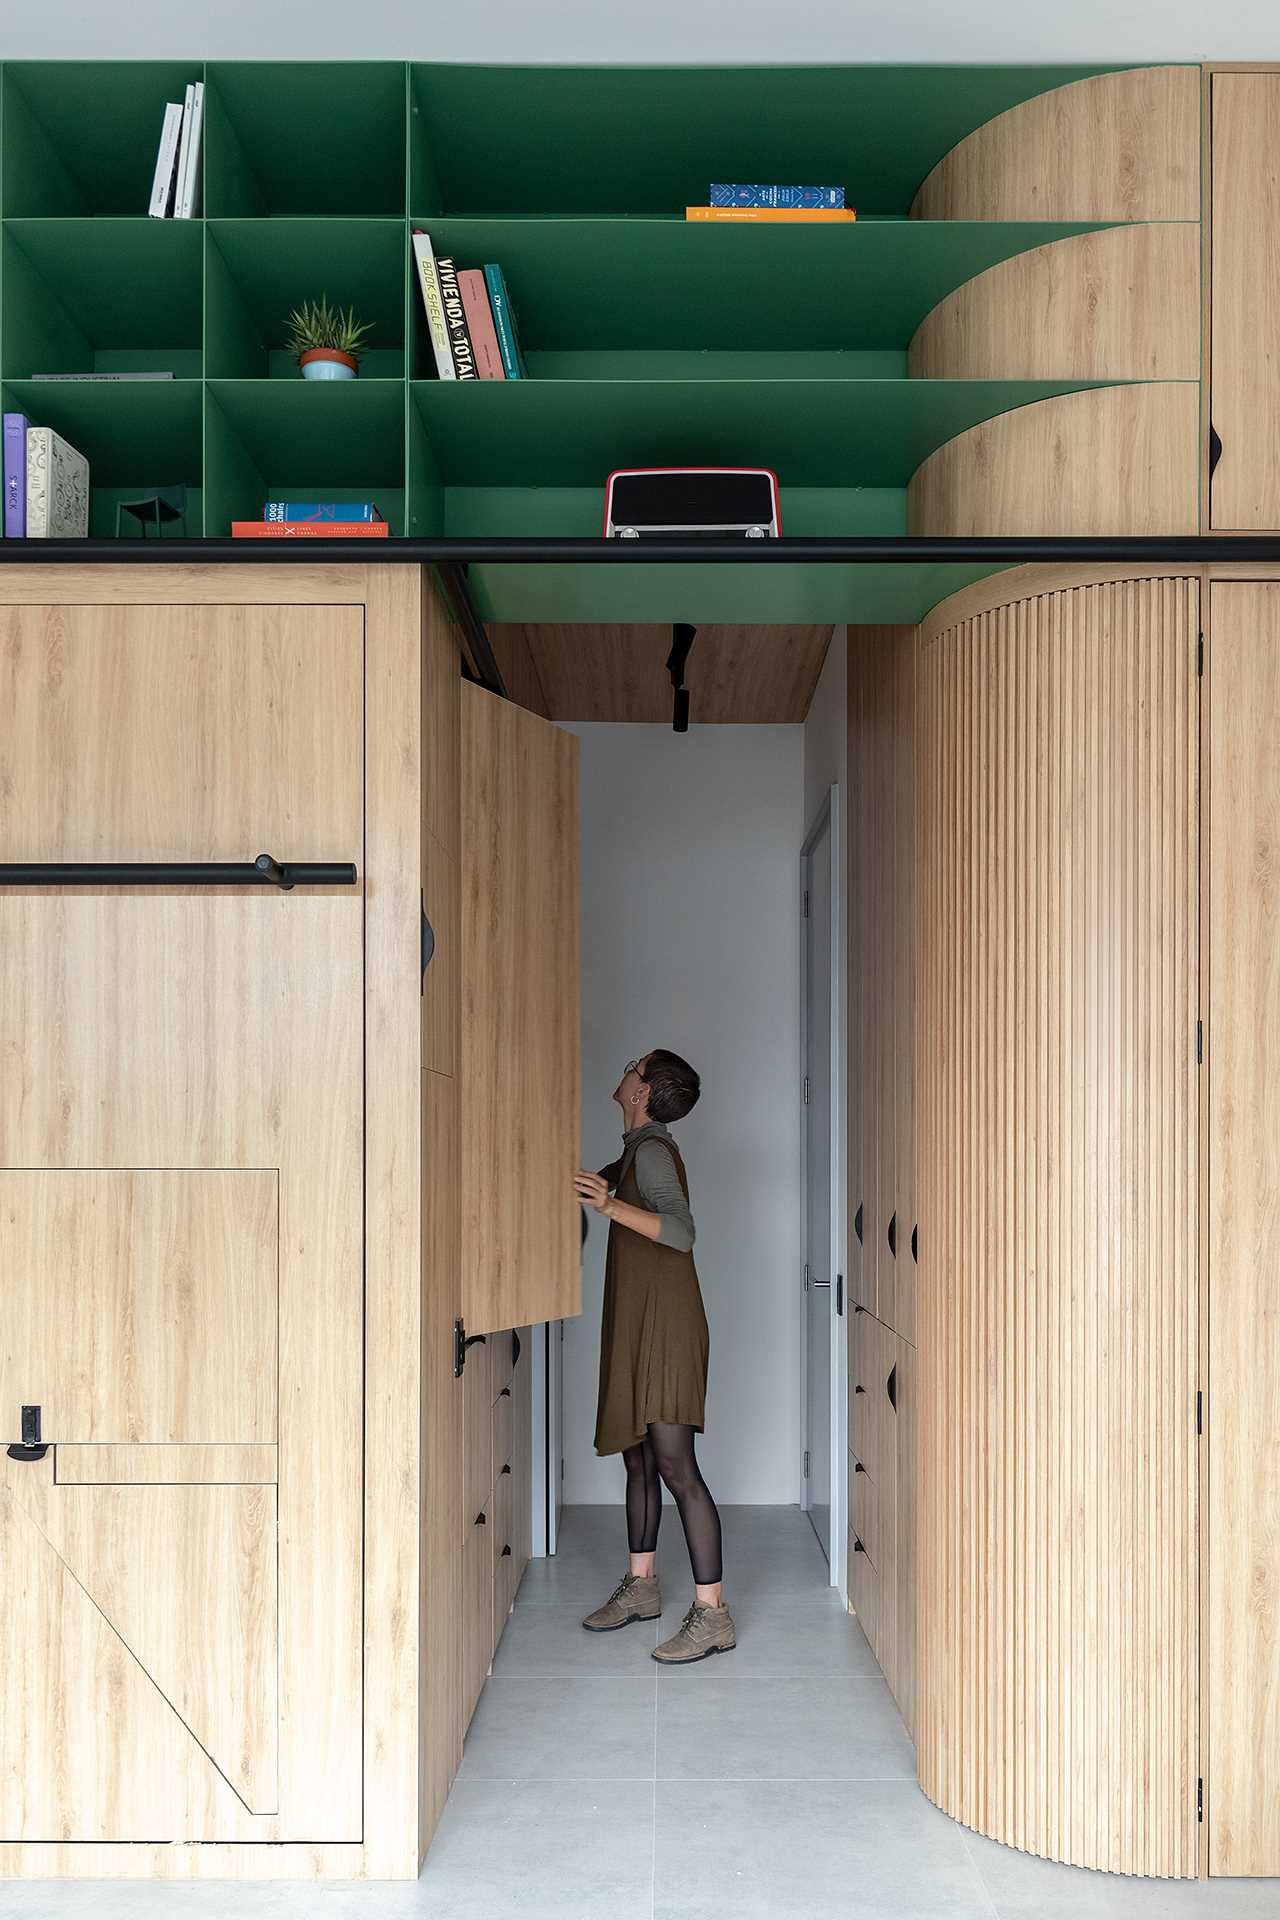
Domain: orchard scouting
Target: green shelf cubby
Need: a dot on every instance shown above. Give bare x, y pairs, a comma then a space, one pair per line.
104, 295
136, 436
80, 136
302, 440
648, 339
258, 271
319, 137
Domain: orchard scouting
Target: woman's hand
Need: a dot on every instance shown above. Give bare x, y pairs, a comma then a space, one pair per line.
592, 1190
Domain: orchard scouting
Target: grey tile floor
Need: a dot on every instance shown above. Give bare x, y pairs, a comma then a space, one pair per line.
772, 1783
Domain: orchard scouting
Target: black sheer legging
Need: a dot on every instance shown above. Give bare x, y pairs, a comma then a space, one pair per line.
665, 1457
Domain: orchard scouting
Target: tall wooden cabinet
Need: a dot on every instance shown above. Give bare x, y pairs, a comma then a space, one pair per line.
883, 1241
1244, 365
233, 1190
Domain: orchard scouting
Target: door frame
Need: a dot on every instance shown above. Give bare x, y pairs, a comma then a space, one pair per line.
829, 818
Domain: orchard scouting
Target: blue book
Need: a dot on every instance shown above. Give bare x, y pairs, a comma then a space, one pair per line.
504, 325
15, 475
727, 194
320, 510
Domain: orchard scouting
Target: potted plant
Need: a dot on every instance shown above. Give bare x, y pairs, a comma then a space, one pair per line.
326, 342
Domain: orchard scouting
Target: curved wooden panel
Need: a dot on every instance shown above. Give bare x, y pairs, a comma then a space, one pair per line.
1107, 460
1122, 304
1058, 1176
1119, 146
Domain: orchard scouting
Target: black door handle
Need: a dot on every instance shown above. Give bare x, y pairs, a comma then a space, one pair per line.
915, 1244
857, 1223
892, 1236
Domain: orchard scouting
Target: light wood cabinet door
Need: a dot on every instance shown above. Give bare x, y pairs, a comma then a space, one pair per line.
1244, 370
1243, 1059
520, 1058
181, 1202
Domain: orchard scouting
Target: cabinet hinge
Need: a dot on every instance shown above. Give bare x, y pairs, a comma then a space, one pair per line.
1200, 1799
806, 1276
1199, 1043
806, 1463
1199, 1410
461, 1341
1200, 657
806, 1090
806, 903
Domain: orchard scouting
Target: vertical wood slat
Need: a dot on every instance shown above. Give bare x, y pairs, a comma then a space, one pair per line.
1058, 845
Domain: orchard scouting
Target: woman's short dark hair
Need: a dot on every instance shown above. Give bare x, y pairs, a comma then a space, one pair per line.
673, 1085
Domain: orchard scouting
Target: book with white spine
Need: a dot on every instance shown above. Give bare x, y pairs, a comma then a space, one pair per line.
433, 305
57, 487
162, 184
189, 157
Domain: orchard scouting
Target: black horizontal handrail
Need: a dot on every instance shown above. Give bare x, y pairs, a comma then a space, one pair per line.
1177, 549
264, 871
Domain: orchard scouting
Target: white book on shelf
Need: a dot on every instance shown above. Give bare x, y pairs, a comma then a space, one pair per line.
57, 487
166, 162
189, 158
433, 306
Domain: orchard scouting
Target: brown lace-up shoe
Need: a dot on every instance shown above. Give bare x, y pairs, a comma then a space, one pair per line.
634, 1598
703, 1630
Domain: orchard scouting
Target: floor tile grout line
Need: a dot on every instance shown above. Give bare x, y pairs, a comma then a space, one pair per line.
974, 1862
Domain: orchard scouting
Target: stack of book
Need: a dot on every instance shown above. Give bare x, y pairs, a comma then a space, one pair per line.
730, 201
469, 317
46, 483
312, 520
175, 187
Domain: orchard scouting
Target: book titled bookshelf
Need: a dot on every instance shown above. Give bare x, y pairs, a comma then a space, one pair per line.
643, 337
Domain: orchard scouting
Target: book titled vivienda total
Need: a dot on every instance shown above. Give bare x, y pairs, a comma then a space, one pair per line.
455, 320
820, 216
727, 194
308, 529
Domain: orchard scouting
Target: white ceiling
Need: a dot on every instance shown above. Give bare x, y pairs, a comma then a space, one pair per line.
650, 32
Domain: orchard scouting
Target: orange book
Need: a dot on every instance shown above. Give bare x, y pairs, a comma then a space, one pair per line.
309, 529
822, 215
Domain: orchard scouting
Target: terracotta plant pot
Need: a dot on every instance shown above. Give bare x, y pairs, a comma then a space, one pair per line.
326, 363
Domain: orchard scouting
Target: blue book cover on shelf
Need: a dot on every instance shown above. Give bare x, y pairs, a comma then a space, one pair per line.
15, 475
320, 510
504, 324
730, 194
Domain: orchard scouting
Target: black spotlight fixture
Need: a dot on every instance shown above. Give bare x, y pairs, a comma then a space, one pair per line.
681, 641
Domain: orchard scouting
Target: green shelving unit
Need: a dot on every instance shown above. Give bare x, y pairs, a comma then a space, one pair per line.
648, 339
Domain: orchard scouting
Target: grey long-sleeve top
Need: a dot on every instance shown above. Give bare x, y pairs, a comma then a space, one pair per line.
657, 1180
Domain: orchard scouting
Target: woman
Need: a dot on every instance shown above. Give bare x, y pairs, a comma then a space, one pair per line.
653, 1357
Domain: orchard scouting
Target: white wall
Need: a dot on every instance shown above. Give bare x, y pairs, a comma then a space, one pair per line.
660, 32
691, 941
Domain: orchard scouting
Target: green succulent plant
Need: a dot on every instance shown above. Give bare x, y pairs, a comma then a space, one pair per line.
316, 324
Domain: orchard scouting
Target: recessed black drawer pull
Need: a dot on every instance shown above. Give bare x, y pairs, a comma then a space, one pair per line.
892, 1236
858, 1467
857, 1545
857, 1223
915, 1244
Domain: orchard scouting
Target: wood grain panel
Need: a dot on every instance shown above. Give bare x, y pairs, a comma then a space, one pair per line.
180, 733
186, 1576
148, 1304
1109, 460
1117, 146
216, 996
1244, 369
1243, 1054
164, 1466
1057, 1101
391, 1115
735, 675
513, 649
1120, 304
520, 1082
440, 1395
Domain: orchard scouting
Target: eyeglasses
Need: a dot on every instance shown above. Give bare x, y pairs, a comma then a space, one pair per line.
632, 1066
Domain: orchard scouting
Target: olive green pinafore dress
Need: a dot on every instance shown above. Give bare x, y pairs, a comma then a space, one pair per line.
653, 1338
